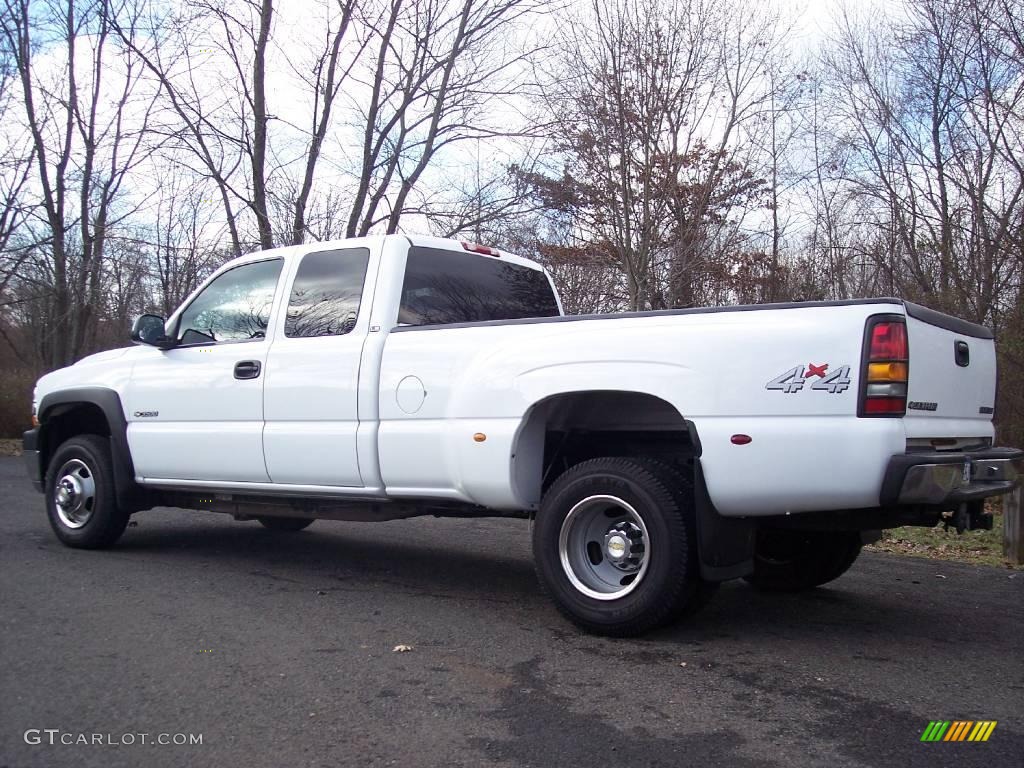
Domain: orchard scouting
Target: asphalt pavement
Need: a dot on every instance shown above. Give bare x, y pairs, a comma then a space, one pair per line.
278, 650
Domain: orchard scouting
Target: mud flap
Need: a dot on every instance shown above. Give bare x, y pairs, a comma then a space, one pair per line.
725, 544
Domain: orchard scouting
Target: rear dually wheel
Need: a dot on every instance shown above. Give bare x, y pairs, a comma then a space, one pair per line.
614, 546
793, 561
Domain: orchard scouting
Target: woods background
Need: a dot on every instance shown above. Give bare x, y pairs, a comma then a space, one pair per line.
653, 153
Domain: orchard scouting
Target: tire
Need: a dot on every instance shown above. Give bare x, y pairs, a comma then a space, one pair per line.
794, 561
610, 516
286, 524
81, 503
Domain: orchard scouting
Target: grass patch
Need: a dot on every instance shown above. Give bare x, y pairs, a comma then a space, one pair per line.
975, 547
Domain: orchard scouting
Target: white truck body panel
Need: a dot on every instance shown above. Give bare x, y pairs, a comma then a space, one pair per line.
712, 367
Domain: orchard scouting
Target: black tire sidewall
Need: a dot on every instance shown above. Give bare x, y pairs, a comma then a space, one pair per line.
821, 557
107, 522
665, 583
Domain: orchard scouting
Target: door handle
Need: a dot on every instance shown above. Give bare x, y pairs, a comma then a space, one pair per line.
962, 354
247, 369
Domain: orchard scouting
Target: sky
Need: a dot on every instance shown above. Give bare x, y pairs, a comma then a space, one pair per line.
812, 20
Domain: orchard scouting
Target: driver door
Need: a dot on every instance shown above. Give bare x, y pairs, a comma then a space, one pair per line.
195, 411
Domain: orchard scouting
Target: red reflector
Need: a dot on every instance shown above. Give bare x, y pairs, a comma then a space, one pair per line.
740, 439
477, 248
886, 405
889, 341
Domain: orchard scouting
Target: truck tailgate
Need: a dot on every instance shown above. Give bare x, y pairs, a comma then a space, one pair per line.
952, 385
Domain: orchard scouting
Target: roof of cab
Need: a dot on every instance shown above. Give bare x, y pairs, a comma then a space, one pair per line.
422, 241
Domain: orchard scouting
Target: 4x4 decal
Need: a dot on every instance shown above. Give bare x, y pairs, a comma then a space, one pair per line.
796, 378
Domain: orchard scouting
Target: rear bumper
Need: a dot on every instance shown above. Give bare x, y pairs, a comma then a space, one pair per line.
30, 453
949, 479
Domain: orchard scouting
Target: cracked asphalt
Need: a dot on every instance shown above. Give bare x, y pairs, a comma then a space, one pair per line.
277, 648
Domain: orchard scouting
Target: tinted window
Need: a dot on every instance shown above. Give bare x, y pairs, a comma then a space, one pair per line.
234, 307
326, 292
452, 287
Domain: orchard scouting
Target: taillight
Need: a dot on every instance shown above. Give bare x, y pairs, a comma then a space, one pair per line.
888, 340
885, 368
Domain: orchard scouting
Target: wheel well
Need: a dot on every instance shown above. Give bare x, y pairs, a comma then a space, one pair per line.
95, 411
67, 420
565, 429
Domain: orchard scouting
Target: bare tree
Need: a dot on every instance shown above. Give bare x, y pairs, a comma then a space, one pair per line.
330, 71
17, 157
931, 143
182, 253
222, 120
85, 146
435, 72
920, 180
650, 97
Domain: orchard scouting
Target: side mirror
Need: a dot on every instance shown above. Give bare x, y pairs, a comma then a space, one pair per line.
149, 329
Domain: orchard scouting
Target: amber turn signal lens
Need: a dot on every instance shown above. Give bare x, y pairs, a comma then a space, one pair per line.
887, 371
479, 437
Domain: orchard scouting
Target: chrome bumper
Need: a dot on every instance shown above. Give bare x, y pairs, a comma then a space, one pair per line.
937, 479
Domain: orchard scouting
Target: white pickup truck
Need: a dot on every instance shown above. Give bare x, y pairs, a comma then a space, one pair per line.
656, 453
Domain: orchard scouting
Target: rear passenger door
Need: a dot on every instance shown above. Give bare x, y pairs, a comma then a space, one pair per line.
311, 393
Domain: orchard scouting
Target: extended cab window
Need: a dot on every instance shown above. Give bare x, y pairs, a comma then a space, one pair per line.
452, 287
234, 307
326, 292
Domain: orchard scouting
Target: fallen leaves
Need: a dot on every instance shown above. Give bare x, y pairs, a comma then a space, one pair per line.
400, 648
979, 547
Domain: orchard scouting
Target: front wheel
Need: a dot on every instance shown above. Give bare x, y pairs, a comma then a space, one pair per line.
614, 546
793, 561
81, 503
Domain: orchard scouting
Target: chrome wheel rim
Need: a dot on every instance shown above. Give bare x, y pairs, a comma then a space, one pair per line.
604, 547
74, 493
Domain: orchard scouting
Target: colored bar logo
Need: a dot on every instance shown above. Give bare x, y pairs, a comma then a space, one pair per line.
959, 730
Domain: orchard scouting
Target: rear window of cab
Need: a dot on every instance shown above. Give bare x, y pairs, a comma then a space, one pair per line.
443, 287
